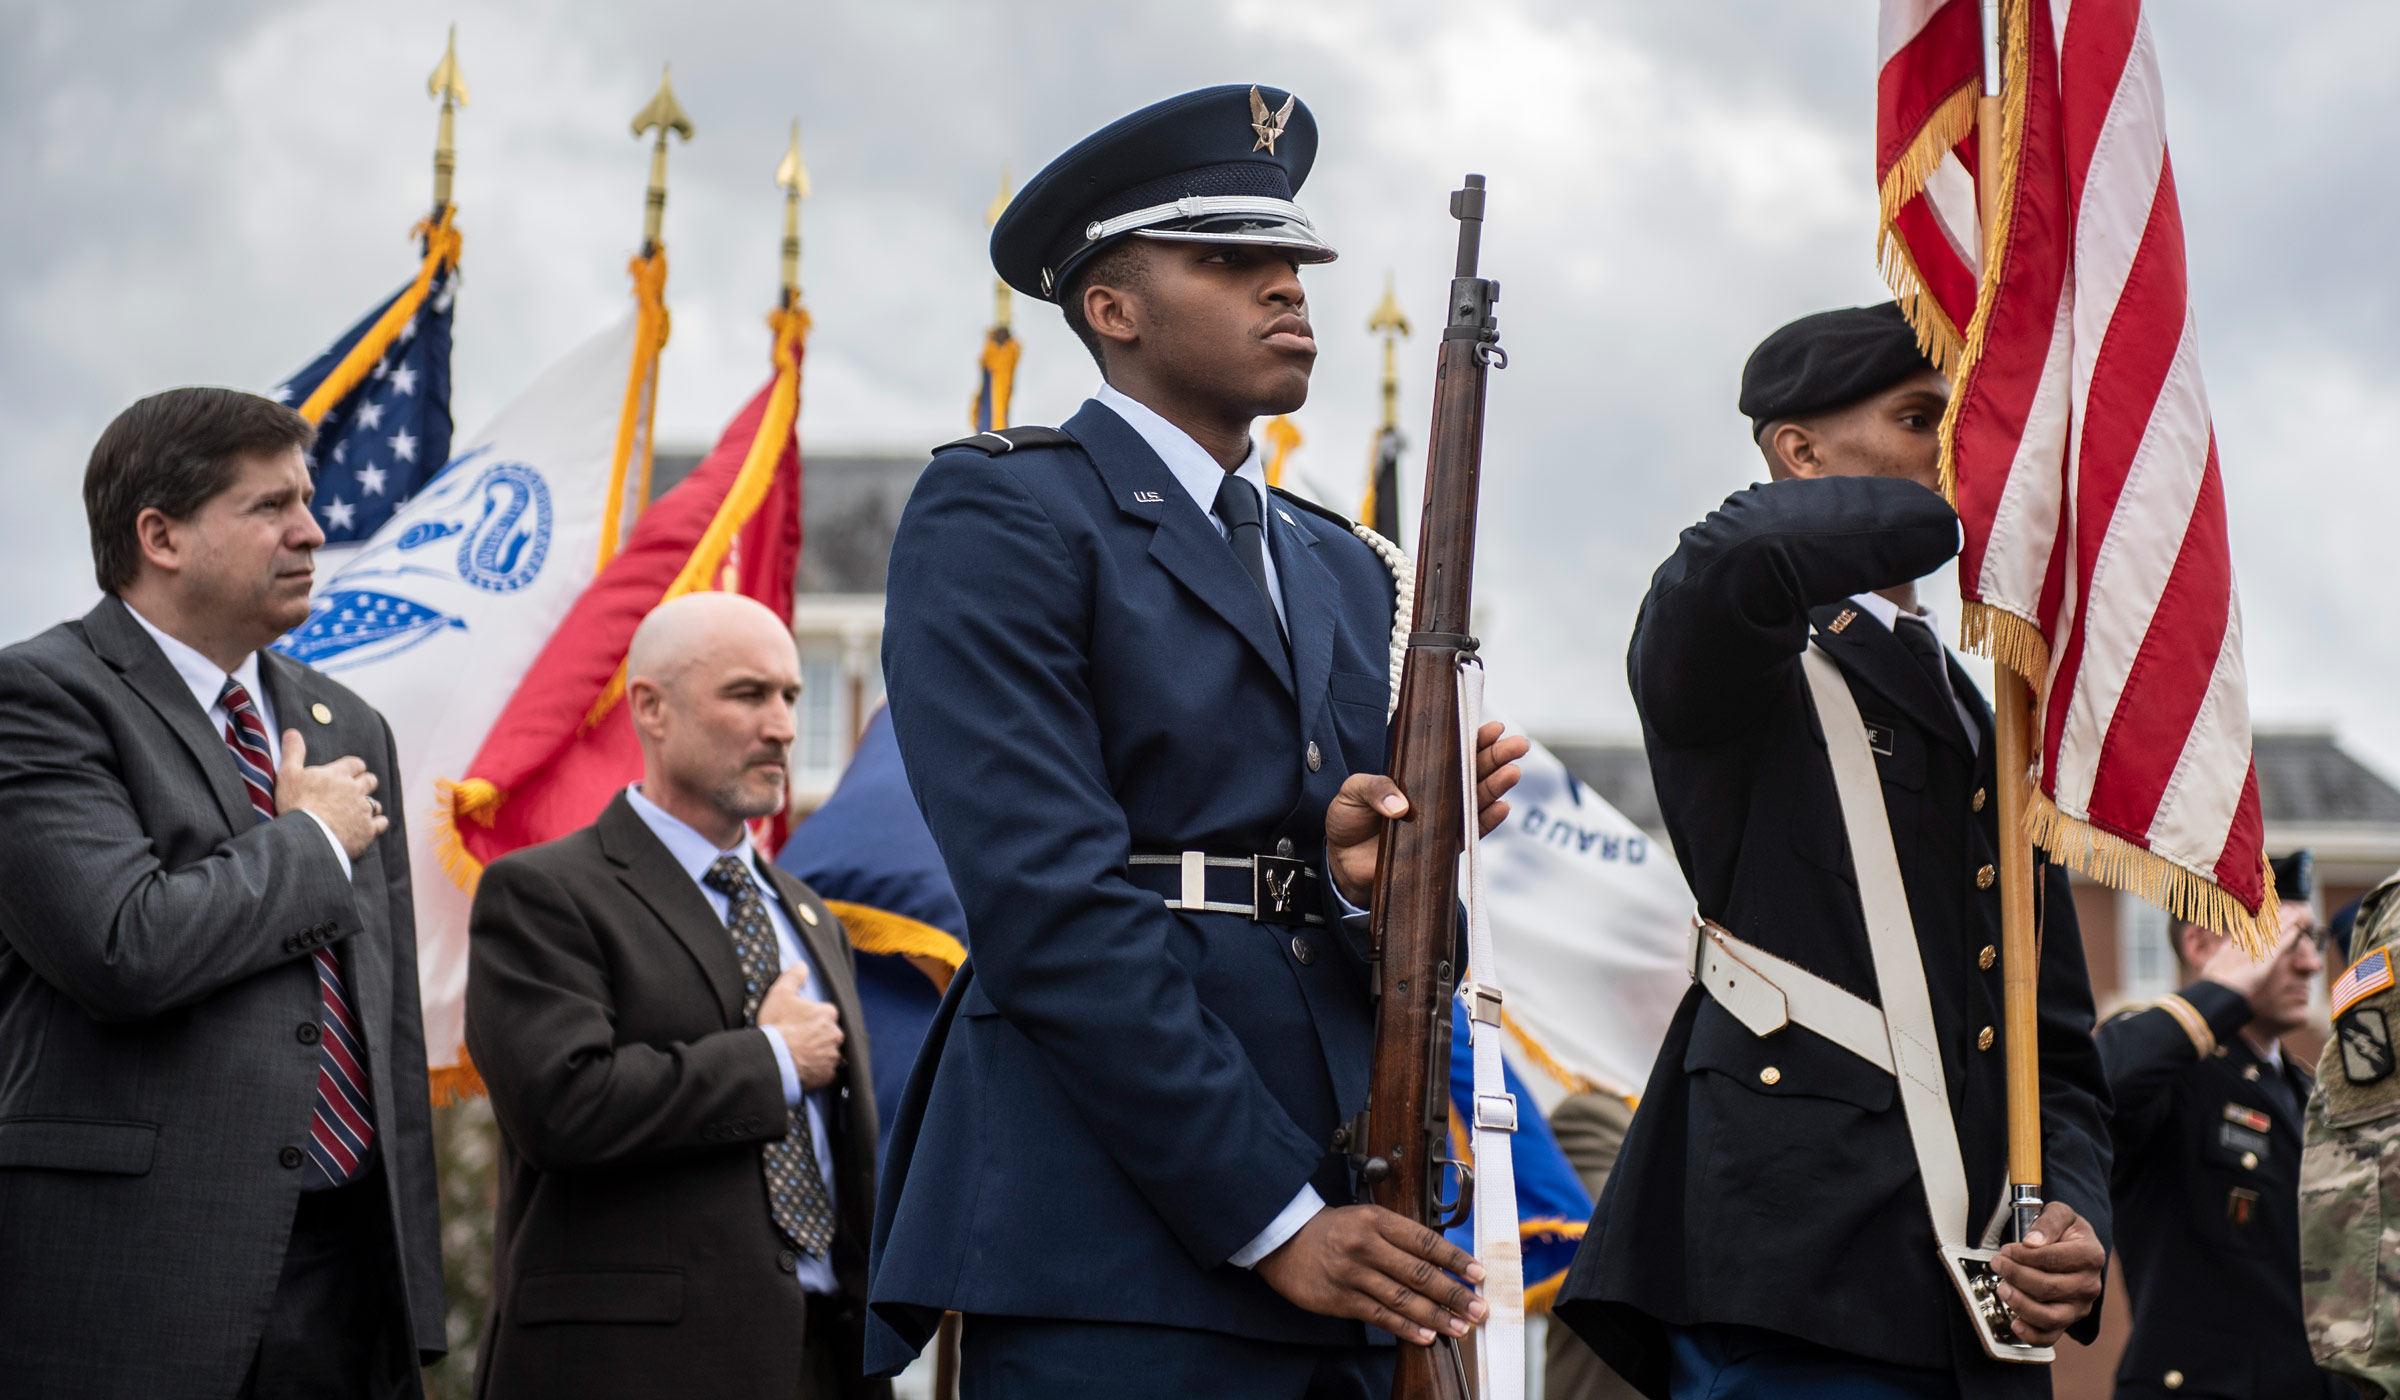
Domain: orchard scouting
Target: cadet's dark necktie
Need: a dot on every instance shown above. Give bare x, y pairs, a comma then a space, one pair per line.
1246, 531
796, 1195
343, 1126
1916, 634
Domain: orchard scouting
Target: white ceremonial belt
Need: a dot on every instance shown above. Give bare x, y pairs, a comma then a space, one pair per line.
1766, 993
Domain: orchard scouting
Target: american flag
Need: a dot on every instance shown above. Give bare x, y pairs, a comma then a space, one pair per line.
2366, 977
381, 441
2078, 447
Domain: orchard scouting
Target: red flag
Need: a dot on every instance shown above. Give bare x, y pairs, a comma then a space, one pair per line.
565, 744
2079, 452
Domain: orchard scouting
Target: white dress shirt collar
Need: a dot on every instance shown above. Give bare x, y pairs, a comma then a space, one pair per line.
1198, 473
693, 851
206, 678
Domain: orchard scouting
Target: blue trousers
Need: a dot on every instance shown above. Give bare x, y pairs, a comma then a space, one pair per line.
1717, 1361
1025, 1358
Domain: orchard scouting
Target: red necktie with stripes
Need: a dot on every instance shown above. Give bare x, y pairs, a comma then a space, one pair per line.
343, 1128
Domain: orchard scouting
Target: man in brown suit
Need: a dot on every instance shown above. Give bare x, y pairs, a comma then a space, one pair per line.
668, 1025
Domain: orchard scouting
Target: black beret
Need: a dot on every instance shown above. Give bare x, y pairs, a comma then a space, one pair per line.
1220, 165
1829, 360
2295, 876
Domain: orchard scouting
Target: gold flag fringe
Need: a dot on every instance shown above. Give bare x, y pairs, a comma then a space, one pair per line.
1988, 629
928, 949
2018, 63
456, 1083
1948, 125
2187, 895
473, 799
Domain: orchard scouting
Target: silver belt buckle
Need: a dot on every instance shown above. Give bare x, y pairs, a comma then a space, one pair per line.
1279, 890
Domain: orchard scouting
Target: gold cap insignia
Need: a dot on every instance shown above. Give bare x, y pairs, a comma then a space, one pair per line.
1269, 125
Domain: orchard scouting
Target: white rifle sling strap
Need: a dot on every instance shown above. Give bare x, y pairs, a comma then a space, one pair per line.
1916, 1056
1500, 1352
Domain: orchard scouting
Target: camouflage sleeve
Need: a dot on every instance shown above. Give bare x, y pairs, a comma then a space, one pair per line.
2143, 1049
2350, 1176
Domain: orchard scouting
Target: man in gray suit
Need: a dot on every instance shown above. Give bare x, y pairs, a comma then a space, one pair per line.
669, 1025
216, 1169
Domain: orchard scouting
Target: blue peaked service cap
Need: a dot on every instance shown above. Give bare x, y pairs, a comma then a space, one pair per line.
1220, 165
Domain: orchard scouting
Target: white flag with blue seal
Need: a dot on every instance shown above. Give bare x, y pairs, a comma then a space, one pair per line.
1594, 923
436, 617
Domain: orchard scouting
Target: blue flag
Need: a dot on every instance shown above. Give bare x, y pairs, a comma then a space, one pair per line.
381, 441
868, 855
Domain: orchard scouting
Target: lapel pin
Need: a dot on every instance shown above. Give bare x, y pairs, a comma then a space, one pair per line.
1287, 519
1148, 498
320, 713
808, 915
1849, 615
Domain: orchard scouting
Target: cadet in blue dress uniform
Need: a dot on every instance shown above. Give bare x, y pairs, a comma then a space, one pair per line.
2208, 1130
1142, 702
1765, 1232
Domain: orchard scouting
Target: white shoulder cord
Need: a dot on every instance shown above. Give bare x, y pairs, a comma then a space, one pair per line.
1404, 593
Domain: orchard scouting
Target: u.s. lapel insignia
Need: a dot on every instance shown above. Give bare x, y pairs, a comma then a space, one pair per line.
1269, 125
2366, 1039
1848, 616
1147, 498
320, 713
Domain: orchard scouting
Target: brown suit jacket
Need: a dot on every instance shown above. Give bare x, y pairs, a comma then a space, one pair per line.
634, 1252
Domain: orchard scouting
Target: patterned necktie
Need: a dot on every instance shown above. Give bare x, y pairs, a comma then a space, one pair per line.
343, 1127
796, 1195
1246, 531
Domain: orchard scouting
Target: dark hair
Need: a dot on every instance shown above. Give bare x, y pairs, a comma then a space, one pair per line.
174, 453
1125, 264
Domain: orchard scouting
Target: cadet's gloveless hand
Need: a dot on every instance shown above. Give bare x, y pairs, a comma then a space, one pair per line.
1381, 1268
2052, 1277
1354, 819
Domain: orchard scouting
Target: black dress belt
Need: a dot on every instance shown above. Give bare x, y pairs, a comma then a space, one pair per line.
1265, 889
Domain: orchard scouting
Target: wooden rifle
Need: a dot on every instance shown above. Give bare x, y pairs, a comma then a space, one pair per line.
1402, 1149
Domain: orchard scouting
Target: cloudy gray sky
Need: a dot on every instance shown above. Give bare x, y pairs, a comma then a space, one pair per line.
208, 193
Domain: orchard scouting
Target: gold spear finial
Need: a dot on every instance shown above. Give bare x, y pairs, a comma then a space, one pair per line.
991, 216
447, 84
662, 115
792, 177
1389, 320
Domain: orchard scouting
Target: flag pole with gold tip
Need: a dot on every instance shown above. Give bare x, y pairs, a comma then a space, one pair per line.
1380, 508
629, 471
996, 367
447, 84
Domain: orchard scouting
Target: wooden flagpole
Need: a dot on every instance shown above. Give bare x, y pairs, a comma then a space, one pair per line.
2012, 742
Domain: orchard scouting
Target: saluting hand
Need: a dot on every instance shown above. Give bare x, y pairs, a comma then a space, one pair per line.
1354, 819
1381, 1268
2052, 1277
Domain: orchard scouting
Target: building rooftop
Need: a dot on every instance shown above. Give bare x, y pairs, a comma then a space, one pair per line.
849, 507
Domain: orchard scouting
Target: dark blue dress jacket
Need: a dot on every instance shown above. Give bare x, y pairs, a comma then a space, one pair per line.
1115, 1097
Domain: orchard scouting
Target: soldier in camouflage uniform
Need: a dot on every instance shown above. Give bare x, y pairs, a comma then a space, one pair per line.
2350, 1168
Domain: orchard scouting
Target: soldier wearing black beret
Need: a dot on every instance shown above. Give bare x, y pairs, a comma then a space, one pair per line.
1141, 699
1767, 1229
2208, 1135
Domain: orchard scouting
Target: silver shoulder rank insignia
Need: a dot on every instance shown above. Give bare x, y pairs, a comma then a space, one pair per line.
1148, 498
1269, 125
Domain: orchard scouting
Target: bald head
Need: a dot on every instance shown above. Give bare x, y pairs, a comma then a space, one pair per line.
710, 680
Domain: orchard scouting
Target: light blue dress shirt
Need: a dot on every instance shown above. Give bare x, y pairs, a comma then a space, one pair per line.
696, 853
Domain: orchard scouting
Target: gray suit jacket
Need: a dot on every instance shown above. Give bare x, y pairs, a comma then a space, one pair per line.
155, 942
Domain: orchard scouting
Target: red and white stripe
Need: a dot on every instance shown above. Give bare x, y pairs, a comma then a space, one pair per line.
2084, 464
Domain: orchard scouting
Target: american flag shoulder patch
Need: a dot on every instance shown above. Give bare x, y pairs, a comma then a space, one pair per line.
2366, 977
